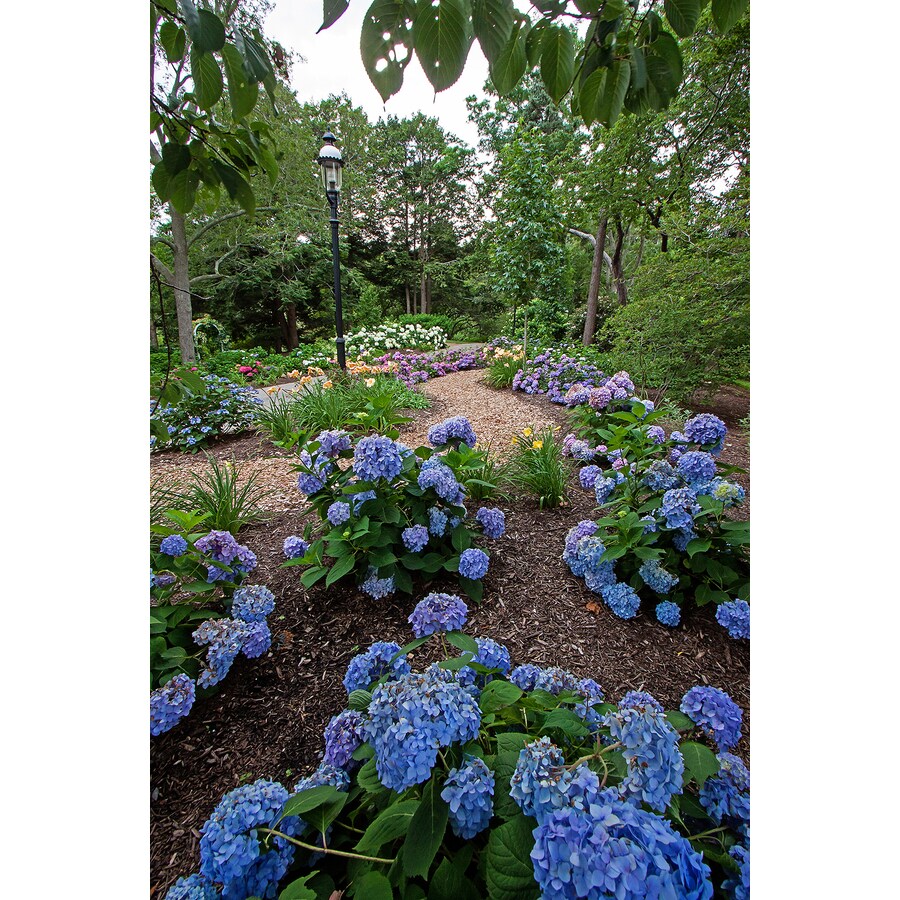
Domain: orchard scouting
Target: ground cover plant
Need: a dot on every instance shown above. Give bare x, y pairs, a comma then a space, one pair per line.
538, 466
371, 342
195, 579
415, 368
194, 419
391, 514
515, 782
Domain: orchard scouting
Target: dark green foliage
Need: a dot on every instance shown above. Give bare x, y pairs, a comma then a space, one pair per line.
539, 467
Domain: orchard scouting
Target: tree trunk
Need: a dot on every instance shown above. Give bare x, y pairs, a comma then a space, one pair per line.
428, 293
290, 314
617, 270
182, 286
406, 288
422, 295
590, 321
154, 339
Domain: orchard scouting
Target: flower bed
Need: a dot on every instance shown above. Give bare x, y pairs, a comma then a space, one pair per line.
415, 368
472, 778
369, 342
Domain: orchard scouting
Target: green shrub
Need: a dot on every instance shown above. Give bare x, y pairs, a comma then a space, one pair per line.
428, 320
539, 467
501, 372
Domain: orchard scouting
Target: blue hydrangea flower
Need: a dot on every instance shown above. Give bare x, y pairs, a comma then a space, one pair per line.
173, 545
326, 774
440, 477
696, 468
656, 434
655, 763
593, 694
621, 598
682, 537
338, 513
713, 711
734, 617
230, 852
582, 451
660, 476
726, 492
313, 480
473, 564
295, 547
415, 538
588, 476
737, 886
668, 613
490, 654
359, 498
493, 521
456, 429
225, 638
726, 795
639, 699
438, 612
585, 528
343, 734
437, 521
367, 667
525, 676
656, 577
469, 792
603, 488
378, 588
194, 887
163, 579
614, 849
650, 524
255, 639
554, 679
333, 443
679, 506
171, 703
376, 457
412, 718
600, 398
253, 603
534, 783
219, 545
707, 430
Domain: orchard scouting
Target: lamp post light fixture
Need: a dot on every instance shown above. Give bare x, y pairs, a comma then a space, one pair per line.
331, 162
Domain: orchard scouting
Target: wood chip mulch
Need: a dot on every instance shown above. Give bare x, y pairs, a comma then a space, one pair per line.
268, 716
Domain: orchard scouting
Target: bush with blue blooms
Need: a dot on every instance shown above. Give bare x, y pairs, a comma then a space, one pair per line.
201, 615
521, 784
391, 515
195, 418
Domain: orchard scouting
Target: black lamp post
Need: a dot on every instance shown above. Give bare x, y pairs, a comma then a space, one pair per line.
331, 162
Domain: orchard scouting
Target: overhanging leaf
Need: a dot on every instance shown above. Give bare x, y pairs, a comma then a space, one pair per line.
509, 66
442, 39
683, 15
372, 886
390, 824
727, 13
699, 761
508, 869
332, 10
242, 92
492, 22
426, 831
557, 61
386, 58
207, 78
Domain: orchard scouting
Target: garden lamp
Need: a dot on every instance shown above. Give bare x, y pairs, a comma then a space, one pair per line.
332, 163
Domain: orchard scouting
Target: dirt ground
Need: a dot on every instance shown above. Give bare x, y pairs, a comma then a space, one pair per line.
268, 716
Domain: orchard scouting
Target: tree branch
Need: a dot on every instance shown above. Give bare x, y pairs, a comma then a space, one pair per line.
162, 240
225, 218
593, 240
161, 269
215, 273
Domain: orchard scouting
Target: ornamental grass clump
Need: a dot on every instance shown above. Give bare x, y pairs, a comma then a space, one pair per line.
517, 783
538, 466
202, 616
391, 514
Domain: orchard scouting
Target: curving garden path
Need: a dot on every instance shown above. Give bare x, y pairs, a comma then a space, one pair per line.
268, 718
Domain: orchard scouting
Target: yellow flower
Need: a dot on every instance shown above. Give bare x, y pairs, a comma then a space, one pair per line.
515, 440
327, 384
271, 390
294, 374
536, 445
527, 432
370, 382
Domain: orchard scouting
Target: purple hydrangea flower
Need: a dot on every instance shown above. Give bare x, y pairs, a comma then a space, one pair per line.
656, 434
173, 545
377, 457
726, 795
493, 521
415, 538
295, 547
679, 506
696, 468
456, 429
525, 676
438, 475
473, 564
714, 712
734, 616
338, 513
333, 443
707, 430
438, 612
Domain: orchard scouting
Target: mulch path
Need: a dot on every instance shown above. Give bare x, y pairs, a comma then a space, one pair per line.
268, 716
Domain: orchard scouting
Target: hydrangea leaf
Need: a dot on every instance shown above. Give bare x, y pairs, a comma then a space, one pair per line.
298, 890
503, 765
498, 694
508, 869
426, 831
392, 823
450, 883
373, 886
699, 761
462, 641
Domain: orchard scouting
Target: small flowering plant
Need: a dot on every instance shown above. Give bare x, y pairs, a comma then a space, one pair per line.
474, 778
391, 514
196, 418
201, 615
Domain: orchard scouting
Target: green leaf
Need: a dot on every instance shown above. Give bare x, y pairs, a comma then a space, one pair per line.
383, 62
450, 883
340, 569
683, 15
511, 740
534, 42
699, 761
173, 40
462, 641
359, 700
426, 831
678, 720
332, 10
508, 869
727, 13
237, 186
390, 824
567, 722
207, 77
589, 94
557, 61
665, 67
242, 92
612, 98
311, 576
183, 190
442, 39
367, 778
698, 545
297, 890
497, 695
372, 886
492, 22
311, 799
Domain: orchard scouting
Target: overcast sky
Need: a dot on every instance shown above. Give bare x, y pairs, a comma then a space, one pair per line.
333, 64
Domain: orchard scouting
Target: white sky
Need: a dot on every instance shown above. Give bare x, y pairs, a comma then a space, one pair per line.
333, 65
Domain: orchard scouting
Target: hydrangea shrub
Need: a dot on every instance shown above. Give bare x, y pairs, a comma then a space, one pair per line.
391, 514
499, 783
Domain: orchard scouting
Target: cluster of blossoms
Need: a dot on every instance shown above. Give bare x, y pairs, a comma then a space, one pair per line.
590, 841
437, 613
294, 547
222, 548
188, 424
173, 545
492, 521
377, 457
171, 702
456, 430
225, 639
369, 342
415, 368
555, 376
716, 713
734, 617
378, 588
